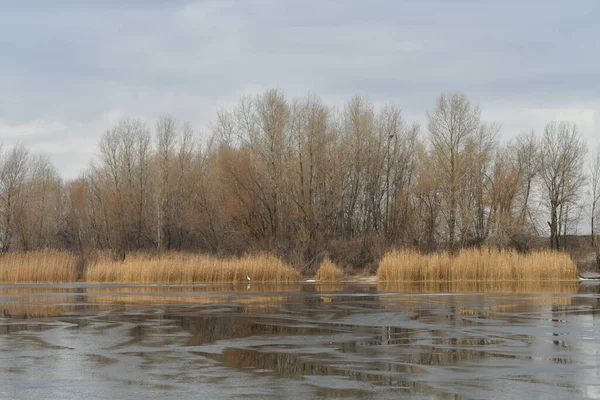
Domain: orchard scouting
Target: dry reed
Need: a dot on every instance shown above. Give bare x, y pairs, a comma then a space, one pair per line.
47, 266
182, 268
329, 272
476, 265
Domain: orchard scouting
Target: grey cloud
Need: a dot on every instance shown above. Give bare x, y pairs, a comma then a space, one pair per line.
74, 61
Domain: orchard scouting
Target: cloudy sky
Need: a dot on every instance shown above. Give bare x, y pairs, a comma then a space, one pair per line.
71, 68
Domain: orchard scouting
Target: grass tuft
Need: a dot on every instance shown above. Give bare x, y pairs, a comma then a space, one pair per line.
476, 265
329, 272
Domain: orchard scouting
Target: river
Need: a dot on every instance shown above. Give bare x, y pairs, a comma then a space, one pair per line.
303, 341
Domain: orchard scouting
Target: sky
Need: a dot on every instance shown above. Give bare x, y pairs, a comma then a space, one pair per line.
71, 68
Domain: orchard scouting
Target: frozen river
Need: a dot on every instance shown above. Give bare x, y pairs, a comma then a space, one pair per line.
348, 341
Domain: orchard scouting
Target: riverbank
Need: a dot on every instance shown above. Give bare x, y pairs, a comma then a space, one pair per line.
484, 265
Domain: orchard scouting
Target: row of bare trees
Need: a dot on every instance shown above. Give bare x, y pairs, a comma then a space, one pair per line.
300, 178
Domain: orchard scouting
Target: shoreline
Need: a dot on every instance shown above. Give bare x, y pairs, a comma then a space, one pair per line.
349, 280
407, 266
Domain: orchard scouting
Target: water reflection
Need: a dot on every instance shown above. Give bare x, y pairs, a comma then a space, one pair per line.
300, 341
517, 287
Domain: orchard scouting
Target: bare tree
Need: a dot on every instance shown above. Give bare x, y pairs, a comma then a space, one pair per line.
182, 189
14, 167
401, 176
452, 125
427, 192
478, 161
307, 181
166, 134
360, 145
595, 193
121, 181
561, 160
39, 216
527, 156
142, 183
269, 139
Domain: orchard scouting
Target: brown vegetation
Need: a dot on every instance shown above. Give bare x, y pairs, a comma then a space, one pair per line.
329, 272
476, 265
185, 268
300, 179
38, 267
181, 268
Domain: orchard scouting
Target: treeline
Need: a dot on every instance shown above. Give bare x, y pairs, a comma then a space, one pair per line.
305, 180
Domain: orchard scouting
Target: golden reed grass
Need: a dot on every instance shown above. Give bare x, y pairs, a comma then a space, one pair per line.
182, 268
168, 268
476, 265
47, 266
329, 272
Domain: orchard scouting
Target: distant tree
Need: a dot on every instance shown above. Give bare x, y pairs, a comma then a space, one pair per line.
14, 170
40, 209
562, 154
595, 193
452, 127
75, 226
268, 139
120, 183
166, 138
427, 192
503, 181
309, 165
527, 150
475, 200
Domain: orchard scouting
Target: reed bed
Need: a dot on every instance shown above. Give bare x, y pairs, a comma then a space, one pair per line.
476, 265
47, 266
329, 272
182, 268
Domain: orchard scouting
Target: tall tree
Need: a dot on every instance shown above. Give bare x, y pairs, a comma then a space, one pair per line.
562, 154
40, 208
120, 182
452, 126
166, 137
527, 158
595, 193
14, 170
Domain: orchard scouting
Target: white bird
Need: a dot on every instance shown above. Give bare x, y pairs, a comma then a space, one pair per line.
247, 277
